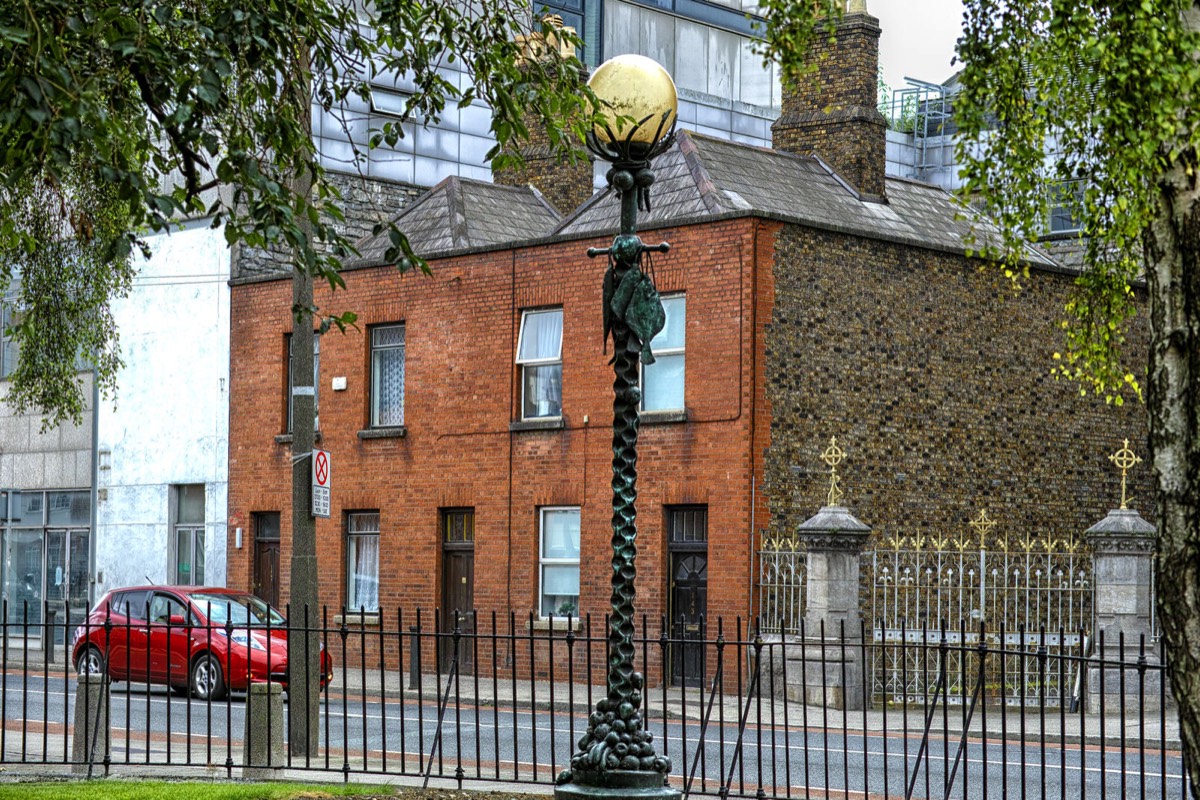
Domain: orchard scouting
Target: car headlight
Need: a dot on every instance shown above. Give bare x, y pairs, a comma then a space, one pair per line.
246, 640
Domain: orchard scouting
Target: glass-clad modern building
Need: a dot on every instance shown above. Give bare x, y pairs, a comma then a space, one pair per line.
725, 90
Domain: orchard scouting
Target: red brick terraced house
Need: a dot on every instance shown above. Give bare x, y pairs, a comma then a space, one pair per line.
468, 414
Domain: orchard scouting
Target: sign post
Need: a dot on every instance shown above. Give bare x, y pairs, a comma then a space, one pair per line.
320, 483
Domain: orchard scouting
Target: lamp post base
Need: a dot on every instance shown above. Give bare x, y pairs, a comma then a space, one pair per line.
618, 784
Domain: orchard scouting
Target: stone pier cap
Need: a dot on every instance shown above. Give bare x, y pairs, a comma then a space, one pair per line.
834, 528
1123, 530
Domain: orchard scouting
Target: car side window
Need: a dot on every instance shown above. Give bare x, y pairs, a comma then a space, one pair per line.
116, 605
134, 605
163, 607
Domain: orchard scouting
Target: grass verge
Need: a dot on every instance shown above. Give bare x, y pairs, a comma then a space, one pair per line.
171, 790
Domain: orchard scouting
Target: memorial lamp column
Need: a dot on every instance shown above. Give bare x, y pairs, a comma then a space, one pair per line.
616, 754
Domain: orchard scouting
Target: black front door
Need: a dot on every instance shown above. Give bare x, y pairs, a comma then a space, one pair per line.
458, 586
687, 546
266, 557
689, 597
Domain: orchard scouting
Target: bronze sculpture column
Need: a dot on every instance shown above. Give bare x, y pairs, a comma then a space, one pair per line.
616, 754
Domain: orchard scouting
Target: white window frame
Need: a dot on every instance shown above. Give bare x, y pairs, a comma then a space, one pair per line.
9, 353
377, 533
666, 351
540, 362
194, 530
555, 562
316, 382
402, 347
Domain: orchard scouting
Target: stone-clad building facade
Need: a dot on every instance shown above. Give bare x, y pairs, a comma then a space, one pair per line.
468, 413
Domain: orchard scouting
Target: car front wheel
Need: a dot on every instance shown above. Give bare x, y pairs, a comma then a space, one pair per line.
91, 661
207, 682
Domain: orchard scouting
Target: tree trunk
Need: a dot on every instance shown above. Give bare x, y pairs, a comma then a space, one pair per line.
1172, 248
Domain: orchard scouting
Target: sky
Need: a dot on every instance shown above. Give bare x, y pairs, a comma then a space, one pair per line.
918, 38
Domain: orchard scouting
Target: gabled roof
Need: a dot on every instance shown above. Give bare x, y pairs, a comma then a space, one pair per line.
702, 176
459, 214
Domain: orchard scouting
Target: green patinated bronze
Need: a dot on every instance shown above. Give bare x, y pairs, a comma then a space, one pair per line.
616, 751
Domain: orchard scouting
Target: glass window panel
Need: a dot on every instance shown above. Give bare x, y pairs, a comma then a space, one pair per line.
70, 508
560, 533
190, 508
565, 599
367, 522
671, 337
543, 391
560, 579
267, 526
656, 37
183, 556
541, 335
133, 604
23, 576
363, 590
723, 63
387, 376
755, 78
691, 56
663, 383
27, 508
619, 30
198, 558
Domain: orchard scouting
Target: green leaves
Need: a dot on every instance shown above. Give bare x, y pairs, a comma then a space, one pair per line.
1059, 91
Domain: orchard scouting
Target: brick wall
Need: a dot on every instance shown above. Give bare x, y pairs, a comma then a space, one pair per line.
934, 375
461, 394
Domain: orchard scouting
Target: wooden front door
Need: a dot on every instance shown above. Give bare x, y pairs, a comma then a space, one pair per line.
687, 547
458, 586
266, 557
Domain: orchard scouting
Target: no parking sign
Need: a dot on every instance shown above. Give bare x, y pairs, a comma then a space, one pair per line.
320, 483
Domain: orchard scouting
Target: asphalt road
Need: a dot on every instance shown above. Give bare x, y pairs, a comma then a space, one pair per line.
522, 745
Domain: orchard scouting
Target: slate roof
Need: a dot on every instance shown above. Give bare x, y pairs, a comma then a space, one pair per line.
459, 214
702, 176
699, 178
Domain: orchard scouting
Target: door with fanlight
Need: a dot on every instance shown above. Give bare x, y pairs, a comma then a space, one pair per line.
266, 556
458, 584
687, 551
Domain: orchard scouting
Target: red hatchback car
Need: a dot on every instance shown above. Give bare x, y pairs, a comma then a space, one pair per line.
178, 636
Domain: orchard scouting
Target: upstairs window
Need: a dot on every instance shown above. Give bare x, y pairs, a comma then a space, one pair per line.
662, 381
387, 376
1066, 200
539, 355
316, 382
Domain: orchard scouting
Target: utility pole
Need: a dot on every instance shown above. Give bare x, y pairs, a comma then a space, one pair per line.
303, 645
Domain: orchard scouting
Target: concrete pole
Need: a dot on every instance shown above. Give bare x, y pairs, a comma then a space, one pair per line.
262, 738
90, 745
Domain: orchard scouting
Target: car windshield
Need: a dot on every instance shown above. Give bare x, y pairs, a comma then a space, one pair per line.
240, 609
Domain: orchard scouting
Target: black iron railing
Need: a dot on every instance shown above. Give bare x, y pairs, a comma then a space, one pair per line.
484, 698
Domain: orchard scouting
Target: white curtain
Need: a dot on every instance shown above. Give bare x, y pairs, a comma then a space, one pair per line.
543, 335
364, 580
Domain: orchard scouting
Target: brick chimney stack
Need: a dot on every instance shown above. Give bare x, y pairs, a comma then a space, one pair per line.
833, 113
565, 186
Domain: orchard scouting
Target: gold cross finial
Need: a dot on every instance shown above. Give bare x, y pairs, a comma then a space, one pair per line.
1123, 459
833, 456
983, 524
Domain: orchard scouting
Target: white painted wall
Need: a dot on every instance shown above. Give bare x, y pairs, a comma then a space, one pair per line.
170, 422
